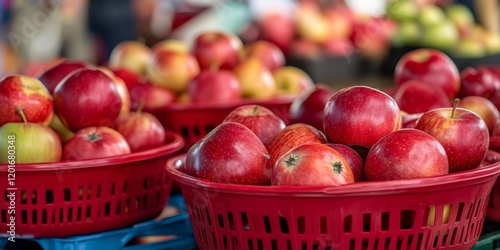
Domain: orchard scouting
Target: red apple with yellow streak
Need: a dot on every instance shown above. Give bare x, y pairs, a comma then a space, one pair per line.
131, 55
27, 93
172, 70
217, 50
463, 134
262, 121
256, 80
268, 53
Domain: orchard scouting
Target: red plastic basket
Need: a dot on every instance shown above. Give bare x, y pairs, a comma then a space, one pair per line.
82, 197
370, 215
194, 121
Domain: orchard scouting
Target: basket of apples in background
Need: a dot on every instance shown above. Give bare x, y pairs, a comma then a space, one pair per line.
349, 172
331, 43
192, 90
79, 160
451, 29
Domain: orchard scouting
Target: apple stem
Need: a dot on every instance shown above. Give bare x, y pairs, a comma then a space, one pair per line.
140, 107
21, 113
255, 108
455, 104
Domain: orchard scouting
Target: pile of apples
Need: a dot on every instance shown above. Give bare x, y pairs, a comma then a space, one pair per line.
359, 133
216, 69
451, 29
72, 111
313, 31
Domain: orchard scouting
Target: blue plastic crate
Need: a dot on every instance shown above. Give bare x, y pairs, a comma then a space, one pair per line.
178, 226
490, 241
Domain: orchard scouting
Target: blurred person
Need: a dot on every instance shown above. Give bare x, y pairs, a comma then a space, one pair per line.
112, 21
43, 30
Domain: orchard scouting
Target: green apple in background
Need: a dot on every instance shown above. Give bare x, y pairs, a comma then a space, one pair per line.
402, 10
460, 15
443, 36
408, 33
431, 15
470, 48
23, 142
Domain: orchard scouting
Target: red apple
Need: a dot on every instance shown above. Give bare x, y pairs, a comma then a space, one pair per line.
170, 45
492, 157
94, 143
172, 70
131, 55
53, 76
353, 159
262, 121
28, 143
87, 98
217, 50
494, 143
495, 99
141, 130
268, 53
478, 82
409, 120
230, 153
340, 47
277, 29
415, 96
340, 23
255, 79
360, 116
430, 66
312, 165
291, 137
405, 154
122, 89
303, 48
129, 77
463, 134
153, 96
484, 108
309, 106
28, 93
209, 86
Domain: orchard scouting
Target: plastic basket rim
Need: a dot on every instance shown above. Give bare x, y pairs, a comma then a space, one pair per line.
284, 99
175, 142
359, 188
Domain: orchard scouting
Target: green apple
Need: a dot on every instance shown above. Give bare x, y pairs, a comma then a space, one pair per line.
431, 15
470, 48
443, 36
460, 15
23, 142
408, 33
402, 10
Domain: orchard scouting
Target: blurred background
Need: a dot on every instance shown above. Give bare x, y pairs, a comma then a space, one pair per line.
366, 35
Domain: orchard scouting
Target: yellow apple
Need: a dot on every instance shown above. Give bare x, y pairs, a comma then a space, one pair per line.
172, 70
171, 45
292, 80
255, 78
131, 55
